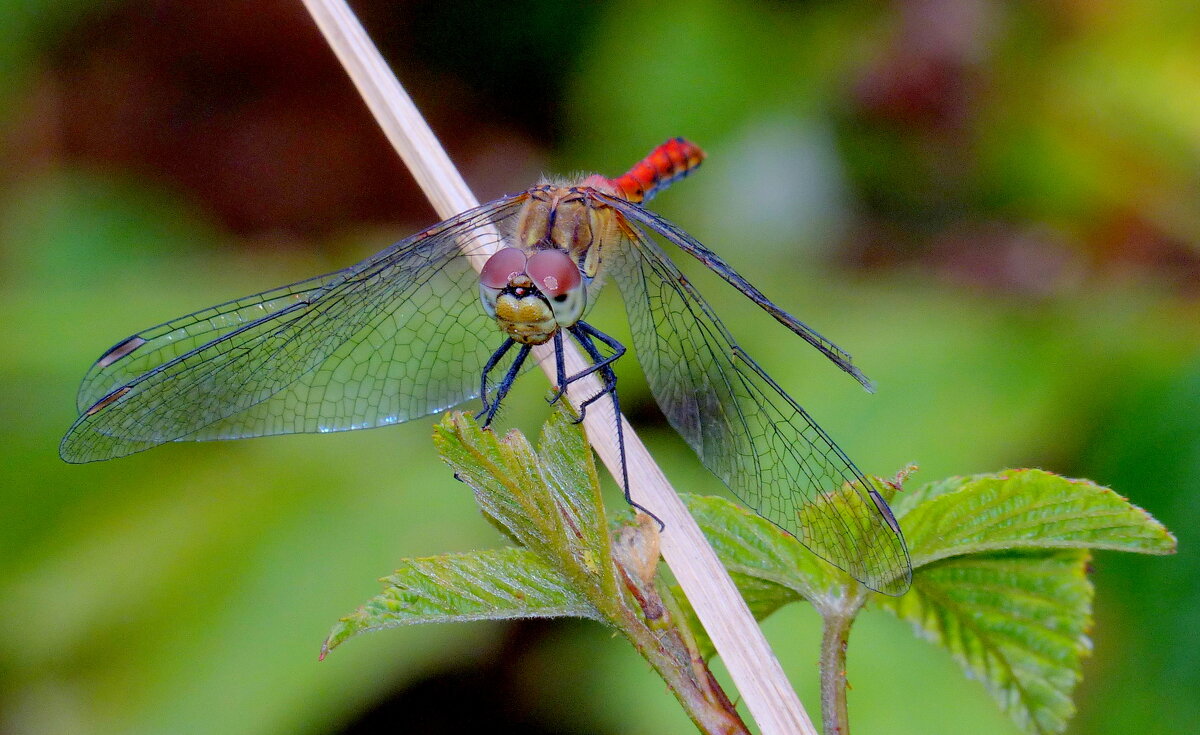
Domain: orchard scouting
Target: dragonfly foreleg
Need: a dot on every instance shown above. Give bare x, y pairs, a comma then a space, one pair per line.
494, 360
491, 407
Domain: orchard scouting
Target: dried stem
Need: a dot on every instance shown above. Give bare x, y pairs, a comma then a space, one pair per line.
751, 663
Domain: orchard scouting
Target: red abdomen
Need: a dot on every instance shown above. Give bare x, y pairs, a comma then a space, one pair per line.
664, 165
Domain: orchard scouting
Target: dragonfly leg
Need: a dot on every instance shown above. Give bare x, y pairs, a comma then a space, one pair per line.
600, 363
584, 334
582, 331
490, 407
488, 368
560, 366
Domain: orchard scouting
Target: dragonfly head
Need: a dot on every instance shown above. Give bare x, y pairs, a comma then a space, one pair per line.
532, 296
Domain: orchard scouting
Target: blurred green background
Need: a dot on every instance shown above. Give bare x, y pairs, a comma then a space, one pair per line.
994, 206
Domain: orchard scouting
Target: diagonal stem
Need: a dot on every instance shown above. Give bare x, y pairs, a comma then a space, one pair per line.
751, 663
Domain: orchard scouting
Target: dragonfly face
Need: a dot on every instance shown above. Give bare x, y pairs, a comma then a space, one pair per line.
532, 296
544, 281
401, 335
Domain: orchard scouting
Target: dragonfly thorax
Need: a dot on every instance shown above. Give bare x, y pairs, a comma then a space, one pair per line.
532, 297
569, 218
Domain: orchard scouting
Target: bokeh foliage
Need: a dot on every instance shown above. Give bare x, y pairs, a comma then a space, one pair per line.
992, 205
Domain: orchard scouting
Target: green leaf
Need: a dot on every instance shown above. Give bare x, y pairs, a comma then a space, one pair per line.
1000, 580
1023, 509
548, 502
500, 473
1014, 620
999, 575
496, 584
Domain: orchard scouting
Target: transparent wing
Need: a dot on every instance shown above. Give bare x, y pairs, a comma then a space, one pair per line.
745, 429
714, 262
395, 337
146, 350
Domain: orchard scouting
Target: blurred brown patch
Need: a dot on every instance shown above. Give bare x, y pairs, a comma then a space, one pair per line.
244, 107
915, 135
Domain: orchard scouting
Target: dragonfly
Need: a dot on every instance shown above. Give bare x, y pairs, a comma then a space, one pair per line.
415, 329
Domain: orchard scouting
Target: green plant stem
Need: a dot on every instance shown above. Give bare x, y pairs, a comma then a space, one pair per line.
649, 618
836, 635
837, 615
661, 642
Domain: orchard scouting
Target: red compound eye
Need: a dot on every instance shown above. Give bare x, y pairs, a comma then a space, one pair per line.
502, 267
553, 272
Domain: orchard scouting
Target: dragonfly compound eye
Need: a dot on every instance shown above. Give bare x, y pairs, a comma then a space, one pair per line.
559, 280
505, 265
501, 270
553, 272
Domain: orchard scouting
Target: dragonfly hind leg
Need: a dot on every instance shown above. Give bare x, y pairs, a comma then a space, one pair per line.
584, 334
599, 361
560, 366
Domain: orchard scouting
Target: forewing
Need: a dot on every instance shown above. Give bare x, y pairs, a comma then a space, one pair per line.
745, 429
690, 245
148, 349
396, 337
